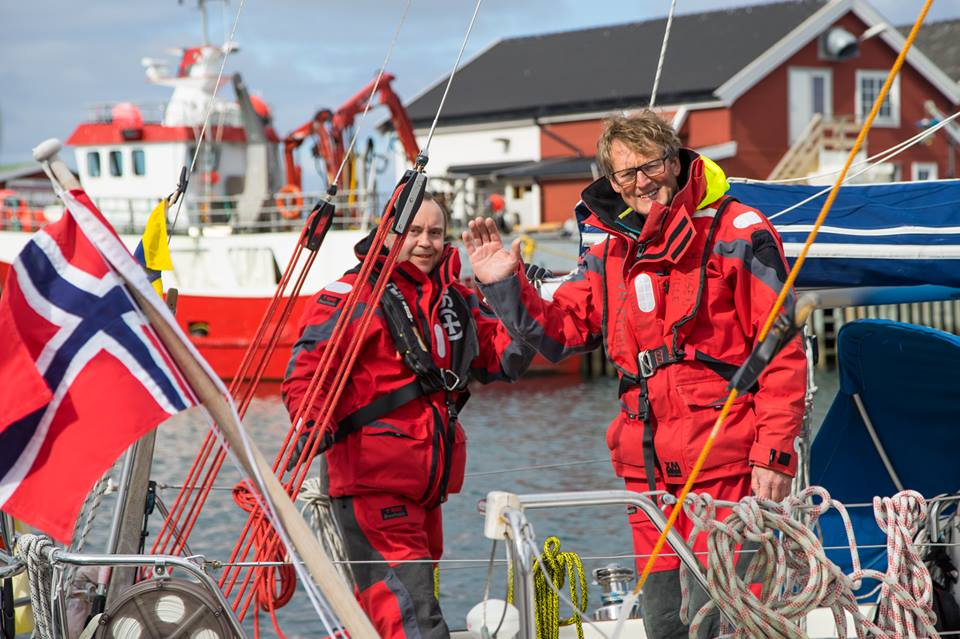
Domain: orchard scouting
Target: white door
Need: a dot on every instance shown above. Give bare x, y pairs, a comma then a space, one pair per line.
809, 91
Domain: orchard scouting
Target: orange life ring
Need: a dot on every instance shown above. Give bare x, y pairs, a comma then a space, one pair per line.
289, 201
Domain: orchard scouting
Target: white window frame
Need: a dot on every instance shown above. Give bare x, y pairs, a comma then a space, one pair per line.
930, 167
893, 121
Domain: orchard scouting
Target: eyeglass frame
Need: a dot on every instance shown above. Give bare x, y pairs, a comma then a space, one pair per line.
639, 169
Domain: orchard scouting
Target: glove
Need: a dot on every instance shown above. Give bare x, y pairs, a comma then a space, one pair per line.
536, 273
299, 445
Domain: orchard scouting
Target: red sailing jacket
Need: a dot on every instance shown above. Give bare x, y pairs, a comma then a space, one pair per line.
643, 291
404, 452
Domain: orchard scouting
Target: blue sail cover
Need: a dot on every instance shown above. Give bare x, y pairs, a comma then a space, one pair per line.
900, 234
909, 380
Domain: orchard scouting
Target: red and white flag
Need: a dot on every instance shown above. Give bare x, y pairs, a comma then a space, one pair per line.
84, 375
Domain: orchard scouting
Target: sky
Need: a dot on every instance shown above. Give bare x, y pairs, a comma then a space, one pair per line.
58, 58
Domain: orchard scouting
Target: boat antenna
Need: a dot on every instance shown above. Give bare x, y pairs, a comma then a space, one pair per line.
663, 54
373, 91
202, 6
213, 99
424, 154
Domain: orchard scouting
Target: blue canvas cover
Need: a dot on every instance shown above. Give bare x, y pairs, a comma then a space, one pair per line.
893, 235
896, 234
909, 380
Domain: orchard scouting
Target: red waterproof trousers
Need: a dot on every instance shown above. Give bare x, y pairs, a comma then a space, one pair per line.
401, 539
645, 534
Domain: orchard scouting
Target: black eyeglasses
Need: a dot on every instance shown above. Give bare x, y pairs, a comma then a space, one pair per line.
652, 169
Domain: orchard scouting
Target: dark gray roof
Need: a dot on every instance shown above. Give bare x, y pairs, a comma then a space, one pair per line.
485, 169
609, 67
551, 169
939, 41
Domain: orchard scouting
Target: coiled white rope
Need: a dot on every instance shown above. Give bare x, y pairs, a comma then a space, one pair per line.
317, 503
796, 575
30, 549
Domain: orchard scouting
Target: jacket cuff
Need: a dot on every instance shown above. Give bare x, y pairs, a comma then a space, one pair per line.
502, 296
777, 454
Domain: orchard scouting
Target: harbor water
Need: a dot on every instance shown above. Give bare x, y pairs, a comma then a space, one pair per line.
542, 434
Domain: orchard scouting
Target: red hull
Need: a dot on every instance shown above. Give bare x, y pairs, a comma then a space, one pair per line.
230, 324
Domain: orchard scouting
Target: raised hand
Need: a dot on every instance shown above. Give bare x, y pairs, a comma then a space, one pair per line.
491, 261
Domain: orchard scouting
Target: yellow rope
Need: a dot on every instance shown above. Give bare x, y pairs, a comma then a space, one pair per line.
558, 567
791, 278
436, 583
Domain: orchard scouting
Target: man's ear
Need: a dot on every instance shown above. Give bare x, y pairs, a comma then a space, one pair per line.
675, 165
616, 187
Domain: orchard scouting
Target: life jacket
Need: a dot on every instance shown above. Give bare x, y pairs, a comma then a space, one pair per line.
429, 379
657, 284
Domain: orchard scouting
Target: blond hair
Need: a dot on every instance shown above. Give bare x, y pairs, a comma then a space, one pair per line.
645, 132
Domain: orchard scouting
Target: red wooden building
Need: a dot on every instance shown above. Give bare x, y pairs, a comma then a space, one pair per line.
741, 86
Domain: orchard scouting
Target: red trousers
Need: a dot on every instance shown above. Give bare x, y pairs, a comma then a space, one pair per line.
390, 531
645, 534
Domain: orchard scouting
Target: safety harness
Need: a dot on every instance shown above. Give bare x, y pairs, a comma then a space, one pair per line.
651, 360
430, 378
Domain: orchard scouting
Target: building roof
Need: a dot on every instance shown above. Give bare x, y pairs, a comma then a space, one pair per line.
551, 169
610, 67
940, 41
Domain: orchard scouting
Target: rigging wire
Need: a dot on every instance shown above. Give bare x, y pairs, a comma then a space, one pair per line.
373, 92
453, 72
663, 54
206, 117
784, 291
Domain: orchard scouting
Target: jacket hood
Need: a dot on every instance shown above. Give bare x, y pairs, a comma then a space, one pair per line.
447, 269
701, 183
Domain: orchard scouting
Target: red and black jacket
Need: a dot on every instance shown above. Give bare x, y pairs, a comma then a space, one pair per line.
684, 297
417, 449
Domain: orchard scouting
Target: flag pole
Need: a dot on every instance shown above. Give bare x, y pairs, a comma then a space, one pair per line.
324, 574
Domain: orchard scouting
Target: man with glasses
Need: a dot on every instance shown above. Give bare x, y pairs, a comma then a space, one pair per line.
677, 295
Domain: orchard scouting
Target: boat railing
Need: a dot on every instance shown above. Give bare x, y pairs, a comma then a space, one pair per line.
102, 112
509, 508
10, 566
129, 215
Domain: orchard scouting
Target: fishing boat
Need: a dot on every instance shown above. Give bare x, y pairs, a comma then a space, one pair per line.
240, 219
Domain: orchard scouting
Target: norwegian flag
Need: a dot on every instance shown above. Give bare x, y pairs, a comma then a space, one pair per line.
83, 373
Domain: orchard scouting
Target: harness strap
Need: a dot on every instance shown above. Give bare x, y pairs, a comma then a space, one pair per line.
722, 368
379, 407
454, 406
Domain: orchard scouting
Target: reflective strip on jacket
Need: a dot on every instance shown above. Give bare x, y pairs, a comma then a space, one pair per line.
637, 294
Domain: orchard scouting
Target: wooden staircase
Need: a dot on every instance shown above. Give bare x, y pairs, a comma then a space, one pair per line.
821, 134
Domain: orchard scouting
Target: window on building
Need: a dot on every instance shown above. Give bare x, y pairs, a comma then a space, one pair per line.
116, 163
923, 171
868, 88
139, 162
93, 164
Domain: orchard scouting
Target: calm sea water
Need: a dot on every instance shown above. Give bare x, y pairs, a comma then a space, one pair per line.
540, 421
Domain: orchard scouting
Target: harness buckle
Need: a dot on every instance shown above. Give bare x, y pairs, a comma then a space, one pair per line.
450, 379
650, 360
